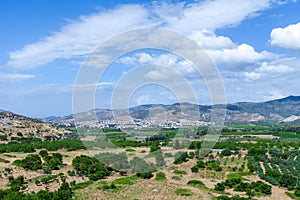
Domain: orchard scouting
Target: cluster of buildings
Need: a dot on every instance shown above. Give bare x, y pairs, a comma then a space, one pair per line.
136, 123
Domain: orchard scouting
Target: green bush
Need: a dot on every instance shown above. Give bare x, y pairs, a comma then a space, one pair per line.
197, 184
43, 153
297, 192
89, 166
226, 152
180, 157
127, 180
4, 161
32, 162
182, 172
183, 192
160, 176
220, 187
145, 175
81, 185
154, 147
195, 169
112, 187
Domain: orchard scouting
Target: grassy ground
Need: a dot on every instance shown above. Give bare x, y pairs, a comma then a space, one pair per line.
174, 181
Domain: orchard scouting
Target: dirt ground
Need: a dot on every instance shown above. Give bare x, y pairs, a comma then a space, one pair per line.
142, 189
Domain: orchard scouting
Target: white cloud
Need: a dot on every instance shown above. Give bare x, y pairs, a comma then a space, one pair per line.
280, 69
155, 75
220, 49
145, 99
209, 40
223, 50
241, 54
5, 77
146, 58
287, 37
268, 70
274, 94
208, 14
77, 38
174, 62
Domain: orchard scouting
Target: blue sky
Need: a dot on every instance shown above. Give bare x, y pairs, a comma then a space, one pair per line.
254, 44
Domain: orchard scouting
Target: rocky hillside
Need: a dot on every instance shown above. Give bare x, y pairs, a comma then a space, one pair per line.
280, 110
13, 125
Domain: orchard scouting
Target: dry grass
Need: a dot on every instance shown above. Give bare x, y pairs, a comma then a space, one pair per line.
142, 189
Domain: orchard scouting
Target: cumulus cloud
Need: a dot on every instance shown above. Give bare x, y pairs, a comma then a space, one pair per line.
155, 75
268, 70
209, 40
174, 62
287, 37
241, 54
220, 49
78, 37
6, 77
223, 50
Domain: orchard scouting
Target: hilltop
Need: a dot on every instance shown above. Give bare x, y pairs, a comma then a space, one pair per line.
14, 125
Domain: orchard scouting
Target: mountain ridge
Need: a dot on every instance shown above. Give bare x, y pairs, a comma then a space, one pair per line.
274, 110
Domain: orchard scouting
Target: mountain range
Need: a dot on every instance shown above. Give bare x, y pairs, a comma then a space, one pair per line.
280, 110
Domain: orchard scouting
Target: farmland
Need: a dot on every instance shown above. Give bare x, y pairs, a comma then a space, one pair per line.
249, 161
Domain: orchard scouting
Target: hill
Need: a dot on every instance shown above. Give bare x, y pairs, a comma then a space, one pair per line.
275, 110
14, 125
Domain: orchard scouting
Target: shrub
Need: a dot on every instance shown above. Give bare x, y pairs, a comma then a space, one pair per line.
89, 166
32, 162
46, 170
182, 172
197, 184
180, 157
220, 187
223, 198
130, 150
288, 180
232, 182
112, 187
81, 185
297, 192
195, 169
226, 152
160, 176
71, 173
154, 147
4, 161
183, 192
128, 180
43, 153
261, 187
145, 175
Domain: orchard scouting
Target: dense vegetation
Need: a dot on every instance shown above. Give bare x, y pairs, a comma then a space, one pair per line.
91, 167
30, 146
34, 161
18, 184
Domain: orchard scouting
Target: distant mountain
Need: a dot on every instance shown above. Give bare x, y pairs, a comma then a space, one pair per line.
271, 110
294, 123
281, 110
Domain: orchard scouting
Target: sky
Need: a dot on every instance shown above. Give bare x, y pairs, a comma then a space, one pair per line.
254, 45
